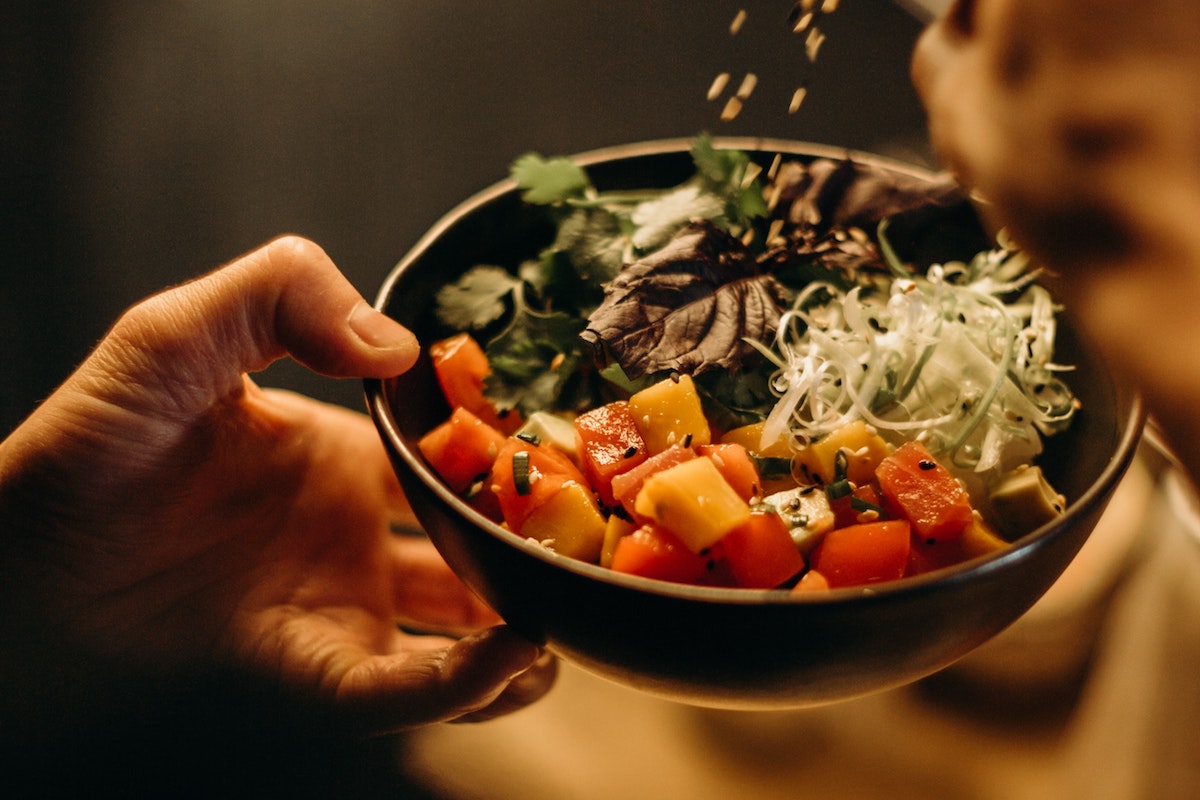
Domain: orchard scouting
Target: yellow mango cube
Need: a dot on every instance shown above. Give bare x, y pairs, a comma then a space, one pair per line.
863, 449
751, 437
569, 522
669, 412
693, 501
616, 528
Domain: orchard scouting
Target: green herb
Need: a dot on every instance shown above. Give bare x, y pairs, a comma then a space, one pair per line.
521, 477
638, 283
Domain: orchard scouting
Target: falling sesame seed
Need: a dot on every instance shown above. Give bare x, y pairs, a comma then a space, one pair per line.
733, 107
774, 169
774, 230
752, 172
829, 6
718, 86
739, 20
802, 24
773, 199
813, 42
797, 98
747, 87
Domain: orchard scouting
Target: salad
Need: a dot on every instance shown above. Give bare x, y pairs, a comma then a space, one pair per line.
782, 376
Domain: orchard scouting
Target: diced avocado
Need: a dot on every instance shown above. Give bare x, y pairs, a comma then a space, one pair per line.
1024, 500
553, 430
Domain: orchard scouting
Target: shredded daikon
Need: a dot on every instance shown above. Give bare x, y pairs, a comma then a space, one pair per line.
961, 358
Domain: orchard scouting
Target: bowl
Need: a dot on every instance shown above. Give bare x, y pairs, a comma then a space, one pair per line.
717, 647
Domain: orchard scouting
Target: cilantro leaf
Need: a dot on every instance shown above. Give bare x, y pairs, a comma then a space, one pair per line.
658, 219
724, 173
547, 181
476, 299
533, 359
596, 242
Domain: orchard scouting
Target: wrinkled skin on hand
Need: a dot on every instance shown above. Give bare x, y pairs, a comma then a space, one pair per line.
1078, 122
162, 514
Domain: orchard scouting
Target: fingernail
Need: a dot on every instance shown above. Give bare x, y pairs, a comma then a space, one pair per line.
379, 330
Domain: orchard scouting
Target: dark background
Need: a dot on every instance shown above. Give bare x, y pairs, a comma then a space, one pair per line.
146, 143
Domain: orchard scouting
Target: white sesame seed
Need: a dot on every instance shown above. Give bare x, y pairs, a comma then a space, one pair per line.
718, 86
732, 108
797, 98
775, 162
813, 42
739, 20
747, 87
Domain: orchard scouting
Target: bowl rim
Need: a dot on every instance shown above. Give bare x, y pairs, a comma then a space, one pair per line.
1094, 496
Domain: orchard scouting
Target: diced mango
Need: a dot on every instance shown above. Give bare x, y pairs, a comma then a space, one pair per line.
617, 528
670, 412
751, 437
694, 502
863, 449
569, 522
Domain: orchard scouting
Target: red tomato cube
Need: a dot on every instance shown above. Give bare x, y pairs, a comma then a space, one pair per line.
654, 552
924, 492
461, 367
760, 552
866, 553
736, 466
609, 444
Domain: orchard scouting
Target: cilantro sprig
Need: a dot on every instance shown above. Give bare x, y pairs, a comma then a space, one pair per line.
538, 359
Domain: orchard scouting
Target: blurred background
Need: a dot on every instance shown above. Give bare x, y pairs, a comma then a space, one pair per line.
146, 143
149, 142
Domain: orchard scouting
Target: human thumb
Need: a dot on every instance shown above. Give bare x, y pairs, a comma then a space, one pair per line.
287, 298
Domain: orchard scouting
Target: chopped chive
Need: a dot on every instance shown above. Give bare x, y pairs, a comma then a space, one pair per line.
520, 464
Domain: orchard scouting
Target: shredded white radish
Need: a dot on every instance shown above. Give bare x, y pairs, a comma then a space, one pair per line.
960, 358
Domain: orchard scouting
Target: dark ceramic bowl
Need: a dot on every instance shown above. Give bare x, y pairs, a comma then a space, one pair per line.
708, 646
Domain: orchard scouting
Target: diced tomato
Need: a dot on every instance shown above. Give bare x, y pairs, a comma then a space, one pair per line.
849, 509
736, 466
462, 449
654, 552
927, 555
525, 475
625, 487
812, 581
609, 444
761, 553
461, 367
865, 553
924, 492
